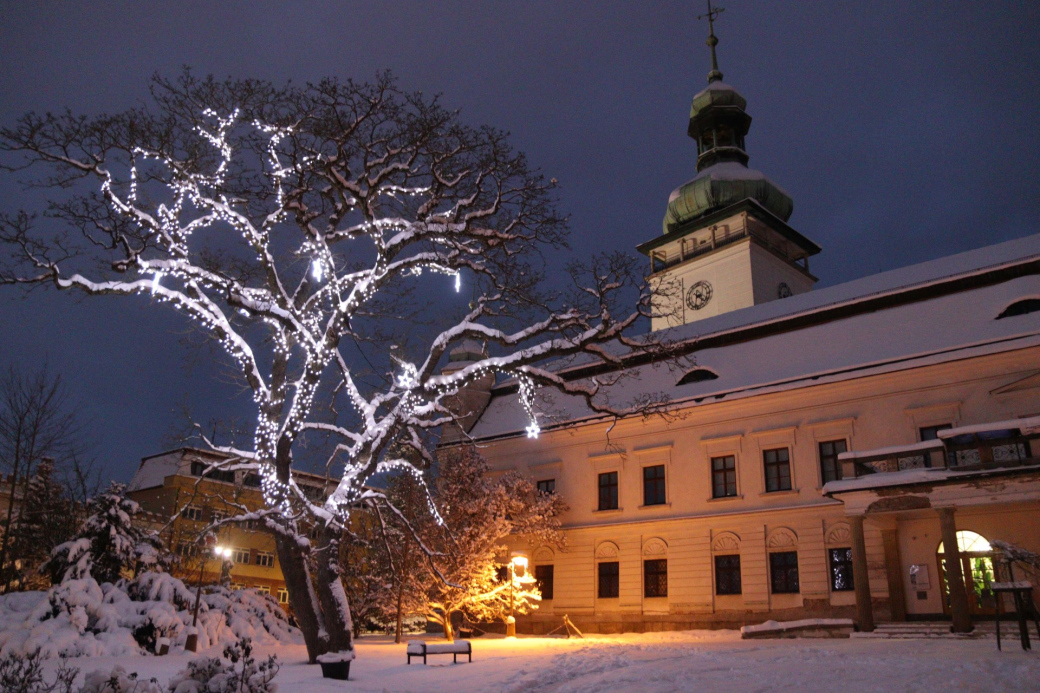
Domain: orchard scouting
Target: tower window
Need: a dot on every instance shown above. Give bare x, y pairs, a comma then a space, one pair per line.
1027, 305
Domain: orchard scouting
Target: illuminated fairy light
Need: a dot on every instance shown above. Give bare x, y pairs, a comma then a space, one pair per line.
155, 282
458, 281
316, 270
533, 430
527, 401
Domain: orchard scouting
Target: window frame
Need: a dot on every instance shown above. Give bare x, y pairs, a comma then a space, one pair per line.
783, 579
729, 570
778, 464
723, 471
660, 484
601, 487
655, 581
613, 580
836, 462
262, 556
240, 556
549, 486
845, 563
192, 513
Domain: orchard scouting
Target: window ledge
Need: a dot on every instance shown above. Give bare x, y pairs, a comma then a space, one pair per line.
608, 511
785, 492
723, 499
655, 505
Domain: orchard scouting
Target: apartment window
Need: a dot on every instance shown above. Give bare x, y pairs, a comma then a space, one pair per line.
830, 467
727, 574
186, 550
841, 570
783, 572
723, 476
547, 486
263, 589
193, 513
283, 595
653, 485
608, 580
265, 559
608, 491
240, 556
251, 480
544, 575
217, 515
932, 432
252, 525
655, 578
205, 470
778, 469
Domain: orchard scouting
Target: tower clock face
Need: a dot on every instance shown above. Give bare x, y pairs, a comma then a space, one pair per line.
783, 291
698, 295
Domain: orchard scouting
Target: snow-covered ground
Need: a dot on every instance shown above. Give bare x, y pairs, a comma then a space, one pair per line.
657, 662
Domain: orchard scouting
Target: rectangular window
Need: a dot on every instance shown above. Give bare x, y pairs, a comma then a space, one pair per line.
727, 574
205, 470
608, 580
544, 575
547, 486
830, 467
932, 432
186, 550
655, 578
251, 480
217, 515
263, 589
283, 595
265, 559
240, 556
723, 476
608, 491
193, 513
841, 570
783, 572
653, 485
778, 469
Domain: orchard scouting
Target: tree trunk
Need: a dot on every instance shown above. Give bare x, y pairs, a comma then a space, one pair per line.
400, 601
301, 595
449, 633
331, 595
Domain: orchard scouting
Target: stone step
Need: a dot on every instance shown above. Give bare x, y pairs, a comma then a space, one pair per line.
926, 630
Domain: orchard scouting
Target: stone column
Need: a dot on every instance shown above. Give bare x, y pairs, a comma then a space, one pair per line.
894, 572
860, 578
954, 574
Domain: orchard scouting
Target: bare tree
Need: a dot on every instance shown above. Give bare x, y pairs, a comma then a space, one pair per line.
298, 228
38, 422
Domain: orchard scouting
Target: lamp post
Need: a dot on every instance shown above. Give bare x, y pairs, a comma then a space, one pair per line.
191, 643
518, 561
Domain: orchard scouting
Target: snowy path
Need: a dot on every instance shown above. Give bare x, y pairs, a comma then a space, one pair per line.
657, 663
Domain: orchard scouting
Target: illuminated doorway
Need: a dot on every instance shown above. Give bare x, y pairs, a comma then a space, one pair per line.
977, 569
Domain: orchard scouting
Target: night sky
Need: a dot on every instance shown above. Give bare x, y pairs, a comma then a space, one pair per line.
903, 131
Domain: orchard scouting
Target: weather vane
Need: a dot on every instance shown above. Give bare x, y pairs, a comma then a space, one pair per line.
712, 15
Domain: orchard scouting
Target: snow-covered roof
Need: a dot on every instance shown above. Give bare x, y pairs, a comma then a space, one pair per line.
1028, 426
915, 476
892, 451
826, 335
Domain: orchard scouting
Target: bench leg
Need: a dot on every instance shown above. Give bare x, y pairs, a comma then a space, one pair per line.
454, 658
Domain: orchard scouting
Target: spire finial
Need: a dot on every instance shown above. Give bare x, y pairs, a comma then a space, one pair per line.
712, 15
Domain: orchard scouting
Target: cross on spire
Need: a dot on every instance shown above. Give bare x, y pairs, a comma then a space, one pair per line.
713, 14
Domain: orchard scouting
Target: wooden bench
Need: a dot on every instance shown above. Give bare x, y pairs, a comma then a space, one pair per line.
420, 648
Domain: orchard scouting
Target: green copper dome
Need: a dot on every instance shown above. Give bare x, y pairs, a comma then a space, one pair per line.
721, 185
718, 124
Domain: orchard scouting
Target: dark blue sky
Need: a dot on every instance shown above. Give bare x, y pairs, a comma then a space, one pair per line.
904, 132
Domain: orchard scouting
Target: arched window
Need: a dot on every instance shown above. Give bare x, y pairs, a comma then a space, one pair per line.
970, 542
1026, 305
698, 375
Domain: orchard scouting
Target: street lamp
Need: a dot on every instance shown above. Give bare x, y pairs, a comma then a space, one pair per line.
518, 562
191, 643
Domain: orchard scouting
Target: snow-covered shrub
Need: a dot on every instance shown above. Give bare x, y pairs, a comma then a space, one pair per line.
24, 674
118, 681
82, 618
211, 675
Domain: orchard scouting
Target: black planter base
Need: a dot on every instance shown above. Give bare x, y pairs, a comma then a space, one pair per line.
335, 670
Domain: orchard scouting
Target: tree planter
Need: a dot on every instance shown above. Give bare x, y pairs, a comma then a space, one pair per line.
336, 665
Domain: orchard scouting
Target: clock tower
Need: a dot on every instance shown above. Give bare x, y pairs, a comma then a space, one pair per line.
726, 243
